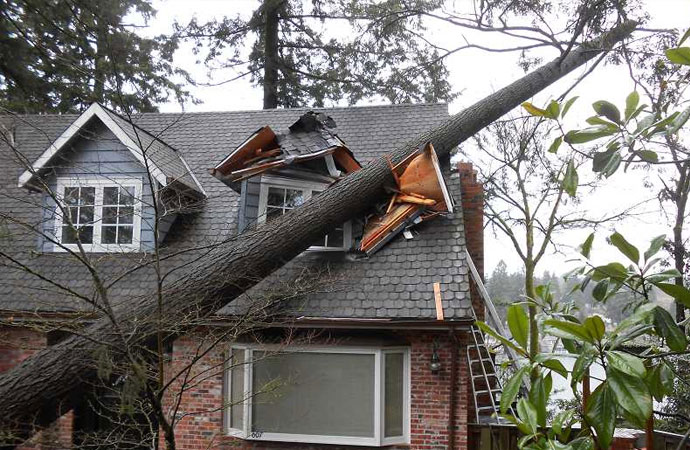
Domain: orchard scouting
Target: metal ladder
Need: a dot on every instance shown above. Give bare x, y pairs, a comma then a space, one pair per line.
486, 386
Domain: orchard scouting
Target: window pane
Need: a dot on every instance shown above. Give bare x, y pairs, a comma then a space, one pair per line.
237, 390
85, 214
110, 195
71, 195
110, 214
69, 235
126, 214
88, 196
108, 235
394, 392
320, 242
74, 214
124, 236
272, 213
293, 198
314, 393
276, 196
86, 234
335, 238
127, 195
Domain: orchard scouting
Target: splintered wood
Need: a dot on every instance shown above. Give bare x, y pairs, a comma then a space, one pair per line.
439, 301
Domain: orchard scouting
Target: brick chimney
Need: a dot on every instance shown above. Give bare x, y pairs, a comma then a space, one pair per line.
472, 194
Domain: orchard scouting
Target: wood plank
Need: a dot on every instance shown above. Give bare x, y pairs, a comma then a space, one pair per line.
439, 301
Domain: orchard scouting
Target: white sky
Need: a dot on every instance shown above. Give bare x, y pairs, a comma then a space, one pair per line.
475, 74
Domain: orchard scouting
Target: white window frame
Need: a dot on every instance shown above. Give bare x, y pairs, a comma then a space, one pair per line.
308, 188
379, 392
99, 183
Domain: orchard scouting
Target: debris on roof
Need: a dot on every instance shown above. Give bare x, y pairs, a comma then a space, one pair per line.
312, 137
420, 194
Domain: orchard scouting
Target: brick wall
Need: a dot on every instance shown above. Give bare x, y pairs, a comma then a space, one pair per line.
472, 195
201, 405
17, 344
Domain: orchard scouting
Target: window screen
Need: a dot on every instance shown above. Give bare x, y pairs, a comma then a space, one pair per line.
394, 392
328, 394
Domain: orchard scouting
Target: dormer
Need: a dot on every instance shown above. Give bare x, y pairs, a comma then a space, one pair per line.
100, 179
276, 172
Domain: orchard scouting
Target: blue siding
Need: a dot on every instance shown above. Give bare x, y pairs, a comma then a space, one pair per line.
98, 152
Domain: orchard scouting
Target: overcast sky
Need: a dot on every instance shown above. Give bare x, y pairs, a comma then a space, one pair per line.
474, 74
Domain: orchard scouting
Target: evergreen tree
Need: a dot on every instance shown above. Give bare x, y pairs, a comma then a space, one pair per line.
60, 56
380, 51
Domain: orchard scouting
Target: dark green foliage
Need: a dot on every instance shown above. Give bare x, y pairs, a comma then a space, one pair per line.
380, 51
60, 56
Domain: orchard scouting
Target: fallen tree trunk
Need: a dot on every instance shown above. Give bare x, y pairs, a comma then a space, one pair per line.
35, 391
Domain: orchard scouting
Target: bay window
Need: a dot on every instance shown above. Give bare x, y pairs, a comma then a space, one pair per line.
104, 213
329, 395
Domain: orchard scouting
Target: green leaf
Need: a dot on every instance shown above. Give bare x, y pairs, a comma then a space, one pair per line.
679, 55
666, 327
632, 394
512, 388
654, 246
663, 275
601, 412
567, 330
596, 120
563, 419
567, 106
556, 144
538, 397
606, 162
582, 443
641, 315
570, 179
556, 365
527, 414
600, 290
533, 110
679, 121
626, 363
631, 103
648, 156
553, 109
660, 381
586, 247
518, 323
645, 123
681, 294
491, 332
595, 327
582, 363
616, 271
625, 247
608, 110
588, 134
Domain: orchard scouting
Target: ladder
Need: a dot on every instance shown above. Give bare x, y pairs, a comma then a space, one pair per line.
486, 386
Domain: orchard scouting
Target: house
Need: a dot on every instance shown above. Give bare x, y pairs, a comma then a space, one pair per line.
373, 355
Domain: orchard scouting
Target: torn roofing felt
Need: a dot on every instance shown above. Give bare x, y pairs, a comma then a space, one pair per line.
312, 137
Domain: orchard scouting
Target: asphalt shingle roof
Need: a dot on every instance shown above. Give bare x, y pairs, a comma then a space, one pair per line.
396, 282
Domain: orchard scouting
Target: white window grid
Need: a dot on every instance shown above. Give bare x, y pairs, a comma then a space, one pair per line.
379, 393
99, 183
308, 190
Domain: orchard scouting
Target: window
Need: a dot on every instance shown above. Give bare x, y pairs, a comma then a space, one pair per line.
331, 395
279, 195
105, 214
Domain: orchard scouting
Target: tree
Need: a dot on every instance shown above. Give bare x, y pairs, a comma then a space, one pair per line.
63, 56
298, 59
41, 382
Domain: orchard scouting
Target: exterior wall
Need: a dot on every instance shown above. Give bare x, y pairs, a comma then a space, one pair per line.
98, 152
17, 344
201, 406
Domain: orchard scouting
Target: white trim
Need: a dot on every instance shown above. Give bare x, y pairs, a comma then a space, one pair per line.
94, 110
379, 391
307, 187
99, 182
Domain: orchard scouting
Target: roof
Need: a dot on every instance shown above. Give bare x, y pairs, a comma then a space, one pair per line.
395, 283
167, 165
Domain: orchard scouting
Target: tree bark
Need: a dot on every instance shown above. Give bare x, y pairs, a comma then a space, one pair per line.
270, 32
32, 392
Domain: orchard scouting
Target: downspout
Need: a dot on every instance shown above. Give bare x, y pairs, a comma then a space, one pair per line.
453, 386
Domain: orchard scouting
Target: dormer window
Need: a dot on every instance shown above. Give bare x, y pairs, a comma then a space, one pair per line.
104, 214
279, 195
